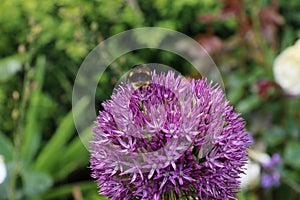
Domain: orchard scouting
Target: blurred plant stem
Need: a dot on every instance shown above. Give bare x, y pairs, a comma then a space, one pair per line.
292, 107
260, 43
293, 184
20, 126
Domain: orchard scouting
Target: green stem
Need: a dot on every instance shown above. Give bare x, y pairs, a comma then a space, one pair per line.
257, 30
15, 172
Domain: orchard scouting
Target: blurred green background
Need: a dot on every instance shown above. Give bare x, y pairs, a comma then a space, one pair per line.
43, 43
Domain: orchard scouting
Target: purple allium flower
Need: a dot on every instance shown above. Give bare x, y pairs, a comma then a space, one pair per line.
271, 175
174, 139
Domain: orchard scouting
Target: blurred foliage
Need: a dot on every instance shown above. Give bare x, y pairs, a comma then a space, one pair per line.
43, 43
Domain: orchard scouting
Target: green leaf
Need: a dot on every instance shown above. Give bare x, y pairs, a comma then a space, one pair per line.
170, 24
94, 196
248, 104
75, 155
290, 178
274, 136
4, 190
50, 155
6, 147
153, 38
32, 136
241, 196
235, 94
9, 66
291, 154
79, 144
287, 37
64, 83
80, 161
36, 183
66, 190
292, 128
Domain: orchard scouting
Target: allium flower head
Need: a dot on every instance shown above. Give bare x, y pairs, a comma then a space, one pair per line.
174, 139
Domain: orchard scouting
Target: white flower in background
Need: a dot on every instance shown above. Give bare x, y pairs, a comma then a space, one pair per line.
2, 170
286, 69
259, 157
251, 177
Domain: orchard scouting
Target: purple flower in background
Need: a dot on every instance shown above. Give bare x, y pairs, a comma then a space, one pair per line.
273, 162
174, 139
271, 176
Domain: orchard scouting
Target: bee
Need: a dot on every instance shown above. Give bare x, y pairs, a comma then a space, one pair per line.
139, 76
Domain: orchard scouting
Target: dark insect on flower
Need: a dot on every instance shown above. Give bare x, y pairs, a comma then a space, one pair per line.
139, 76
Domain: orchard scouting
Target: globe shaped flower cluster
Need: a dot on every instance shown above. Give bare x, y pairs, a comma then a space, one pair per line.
175, 138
